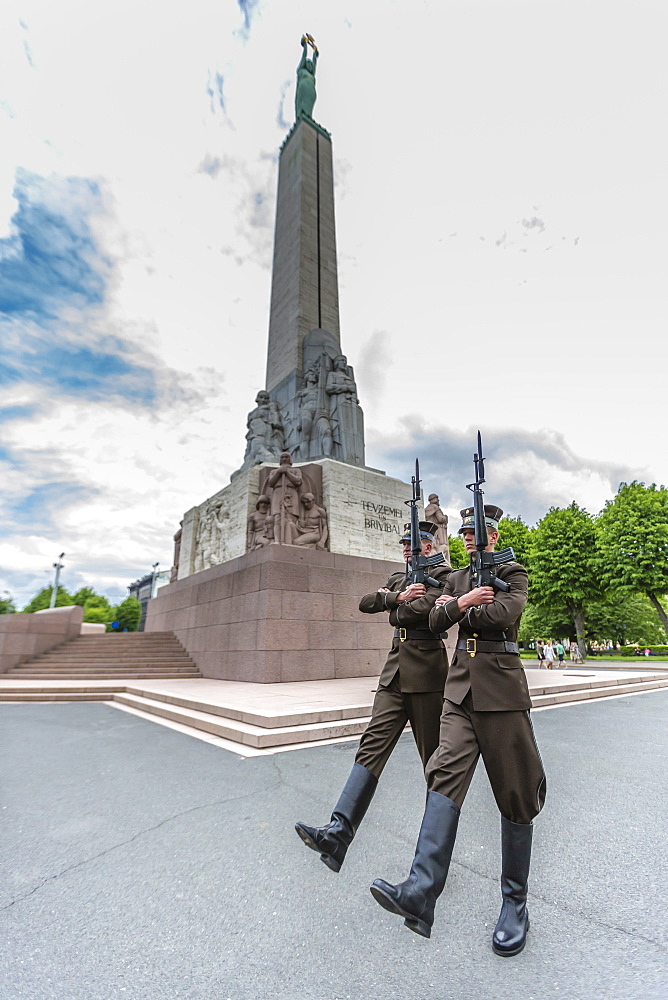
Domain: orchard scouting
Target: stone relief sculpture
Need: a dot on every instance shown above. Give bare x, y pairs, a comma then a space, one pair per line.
312, 525
259, 525
433, 512
317, 416
342, 391
287, 511
207, 550
284, 483
307, 401
265, 437
177, 554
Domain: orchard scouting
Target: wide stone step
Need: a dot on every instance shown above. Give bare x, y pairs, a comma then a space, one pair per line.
562, 697
24, 696
262, 720
242, 732
108, 674
92, 665
158, 659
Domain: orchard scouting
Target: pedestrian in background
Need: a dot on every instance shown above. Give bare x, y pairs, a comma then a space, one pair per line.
549, 655
540, 654
560, 651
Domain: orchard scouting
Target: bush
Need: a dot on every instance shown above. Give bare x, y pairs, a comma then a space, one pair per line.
640, 650
127, 614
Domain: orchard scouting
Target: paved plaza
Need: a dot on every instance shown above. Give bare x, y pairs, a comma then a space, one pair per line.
141, 863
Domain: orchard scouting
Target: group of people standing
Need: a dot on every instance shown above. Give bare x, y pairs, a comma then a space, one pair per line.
549, 653
477, 706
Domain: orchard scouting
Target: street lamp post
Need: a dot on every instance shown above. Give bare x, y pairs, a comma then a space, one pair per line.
54, 593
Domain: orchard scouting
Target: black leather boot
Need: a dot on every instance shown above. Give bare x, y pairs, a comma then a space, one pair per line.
332, 841
510, 933
415, 898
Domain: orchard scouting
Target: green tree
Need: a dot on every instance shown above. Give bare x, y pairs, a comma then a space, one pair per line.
83, 595
633, 539
628, 618
98, 615
42, 600
514, 532
565, 564
127, 614
7, 606
545, 622
458, 555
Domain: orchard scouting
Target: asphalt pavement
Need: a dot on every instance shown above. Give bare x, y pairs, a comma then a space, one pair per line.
142, 864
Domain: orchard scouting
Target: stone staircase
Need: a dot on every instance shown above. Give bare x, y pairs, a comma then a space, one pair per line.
111, 657
253, 719
257, 731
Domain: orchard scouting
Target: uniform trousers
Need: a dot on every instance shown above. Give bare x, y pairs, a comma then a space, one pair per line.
508, 747
392, 709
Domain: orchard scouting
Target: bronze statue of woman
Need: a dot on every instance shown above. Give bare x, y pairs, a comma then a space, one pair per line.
305, 94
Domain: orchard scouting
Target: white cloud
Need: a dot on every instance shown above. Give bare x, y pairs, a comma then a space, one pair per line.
442, 123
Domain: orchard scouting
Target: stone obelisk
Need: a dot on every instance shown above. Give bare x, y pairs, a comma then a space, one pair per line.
305, 291
270, 569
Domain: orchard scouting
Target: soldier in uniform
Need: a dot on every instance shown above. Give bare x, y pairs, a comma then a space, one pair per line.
486, 712
410, 689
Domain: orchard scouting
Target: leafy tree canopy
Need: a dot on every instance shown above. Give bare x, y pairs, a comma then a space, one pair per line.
624, 618
7, 606
564, 558
565, 565
545, 622
514, 532
458, 556
82, 595
633, 539
99, 615
42, 600
127, 614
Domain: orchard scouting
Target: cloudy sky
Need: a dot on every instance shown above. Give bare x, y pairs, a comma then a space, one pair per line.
501, 222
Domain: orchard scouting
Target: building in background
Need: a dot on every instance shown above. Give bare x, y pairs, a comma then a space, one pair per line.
145, 588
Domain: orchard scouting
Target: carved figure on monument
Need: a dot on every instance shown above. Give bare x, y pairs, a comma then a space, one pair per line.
265, 437
433, 513
259, 525
305, 94
308, 407
285, 483
342, 391
177, 554
207, 552
312, 526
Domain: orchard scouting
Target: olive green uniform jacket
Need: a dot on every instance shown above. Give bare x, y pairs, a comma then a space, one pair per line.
422, 663
496, 680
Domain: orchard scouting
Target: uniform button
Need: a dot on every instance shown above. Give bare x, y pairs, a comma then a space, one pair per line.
475, 635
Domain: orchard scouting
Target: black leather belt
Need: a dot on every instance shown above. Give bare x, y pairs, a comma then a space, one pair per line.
474, 646
415, 633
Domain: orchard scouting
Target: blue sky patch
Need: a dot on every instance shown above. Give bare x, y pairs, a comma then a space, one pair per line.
51, 258
79, 370
41, 507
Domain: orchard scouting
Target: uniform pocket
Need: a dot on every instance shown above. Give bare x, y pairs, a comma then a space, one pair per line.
509, 662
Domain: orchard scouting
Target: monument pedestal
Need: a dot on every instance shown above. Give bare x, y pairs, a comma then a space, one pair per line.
281, 613
365, 513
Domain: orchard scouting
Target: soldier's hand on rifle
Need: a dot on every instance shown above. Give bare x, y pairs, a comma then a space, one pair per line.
475, 597
411, 592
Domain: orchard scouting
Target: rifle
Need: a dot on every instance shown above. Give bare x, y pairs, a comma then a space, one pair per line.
483, 563
419, 563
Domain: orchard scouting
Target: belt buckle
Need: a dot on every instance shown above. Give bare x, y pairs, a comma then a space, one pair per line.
402, 635
471, 647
